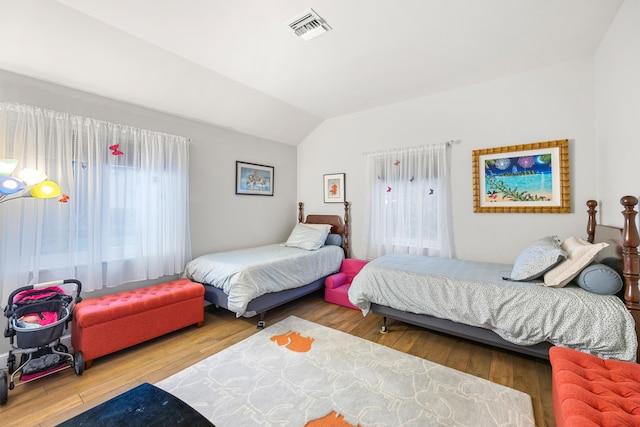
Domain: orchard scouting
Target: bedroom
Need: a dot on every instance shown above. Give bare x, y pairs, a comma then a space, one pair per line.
590, 99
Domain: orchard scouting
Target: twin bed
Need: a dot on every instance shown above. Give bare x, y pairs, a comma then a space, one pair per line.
473, 300
466, 299
251, 281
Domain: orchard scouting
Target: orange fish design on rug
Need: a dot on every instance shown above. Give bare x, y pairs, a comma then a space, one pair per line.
294, 341
330, 420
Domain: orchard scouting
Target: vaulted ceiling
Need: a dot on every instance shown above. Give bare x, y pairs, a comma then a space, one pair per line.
237, 63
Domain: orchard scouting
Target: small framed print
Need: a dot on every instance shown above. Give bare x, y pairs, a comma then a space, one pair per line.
254, 179
334, 188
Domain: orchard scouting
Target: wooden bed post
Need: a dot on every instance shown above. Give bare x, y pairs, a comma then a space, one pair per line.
630, 258
300, 215
591, 221
346, 229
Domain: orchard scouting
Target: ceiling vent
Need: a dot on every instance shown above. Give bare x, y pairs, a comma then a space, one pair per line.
309, 25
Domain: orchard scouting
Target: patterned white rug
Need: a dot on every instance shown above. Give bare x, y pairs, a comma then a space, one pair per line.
298, 373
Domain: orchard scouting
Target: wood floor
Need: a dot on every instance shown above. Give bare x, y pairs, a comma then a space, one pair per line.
51, 400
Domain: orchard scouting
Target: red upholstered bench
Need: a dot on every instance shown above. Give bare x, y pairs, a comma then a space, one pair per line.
590, 391
336, 286
113, 322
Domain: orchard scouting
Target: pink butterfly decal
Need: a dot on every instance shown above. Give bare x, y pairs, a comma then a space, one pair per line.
396, 163
388, 189
115, 150
64, 198
83, 165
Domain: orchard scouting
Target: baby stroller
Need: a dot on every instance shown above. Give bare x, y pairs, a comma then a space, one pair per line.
37, 316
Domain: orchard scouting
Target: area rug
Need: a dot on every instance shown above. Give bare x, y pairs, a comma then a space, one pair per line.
298, 373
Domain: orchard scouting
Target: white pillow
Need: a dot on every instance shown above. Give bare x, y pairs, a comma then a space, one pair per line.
580, 254
318, 226
305, 237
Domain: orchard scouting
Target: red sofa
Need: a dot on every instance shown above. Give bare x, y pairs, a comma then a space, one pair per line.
336, 286
113, 322
590, 391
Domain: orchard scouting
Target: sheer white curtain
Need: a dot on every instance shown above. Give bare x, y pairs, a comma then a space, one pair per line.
409, 200
124, 214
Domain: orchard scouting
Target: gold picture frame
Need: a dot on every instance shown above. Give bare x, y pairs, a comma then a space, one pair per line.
528, 178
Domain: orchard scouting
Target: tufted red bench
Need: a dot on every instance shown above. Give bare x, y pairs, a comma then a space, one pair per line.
112, 322
590, 391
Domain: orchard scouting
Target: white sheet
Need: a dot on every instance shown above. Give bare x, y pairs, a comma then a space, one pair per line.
474, 293
245, 274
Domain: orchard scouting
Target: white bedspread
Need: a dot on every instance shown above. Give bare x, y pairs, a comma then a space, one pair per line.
245, 274
474, 293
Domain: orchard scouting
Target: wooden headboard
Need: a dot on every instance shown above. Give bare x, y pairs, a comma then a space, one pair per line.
338, 226
622, 254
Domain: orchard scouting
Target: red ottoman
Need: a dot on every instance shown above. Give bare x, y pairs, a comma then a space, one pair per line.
590, 391
112, 322
336, 286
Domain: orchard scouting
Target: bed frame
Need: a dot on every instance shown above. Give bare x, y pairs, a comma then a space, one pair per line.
622, 254
260, 306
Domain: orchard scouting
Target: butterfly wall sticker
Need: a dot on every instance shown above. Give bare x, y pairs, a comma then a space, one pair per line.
115, 150
64, 198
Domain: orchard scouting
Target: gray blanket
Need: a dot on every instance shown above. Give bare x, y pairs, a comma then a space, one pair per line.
474, 293
245, 274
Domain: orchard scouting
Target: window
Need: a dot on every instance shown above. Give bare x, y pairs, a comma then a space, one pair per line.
408, 202
124, 213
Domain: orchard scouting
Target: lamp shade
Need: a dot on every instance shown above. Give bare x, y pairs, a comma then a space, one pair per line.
10, 185
31, 176
7, 166
45, 190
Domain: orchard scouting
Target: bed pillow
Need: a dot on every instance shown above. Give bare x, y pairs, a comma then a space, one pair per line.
580, 253
333, 240
319, 226
537, 258
305, 237
599, 279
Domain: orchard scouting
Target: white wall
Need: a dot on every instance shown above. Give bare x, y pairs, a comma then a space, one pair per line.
548, 104
617, 74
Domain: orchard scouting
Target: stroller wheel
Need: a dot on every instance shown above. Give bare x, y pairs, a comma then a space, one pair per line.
78, 363
4, 390
61, 348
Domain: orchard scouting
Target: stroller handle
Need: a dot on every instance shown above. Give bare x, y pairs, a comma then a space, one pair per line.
47, 284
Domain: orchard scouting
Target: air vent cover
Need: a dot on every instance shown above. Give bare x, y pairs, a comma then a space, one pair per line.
309, 25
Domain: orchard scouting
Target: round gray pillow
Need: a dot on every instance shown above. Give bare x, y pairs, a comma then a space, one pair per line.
599, 279
334, 239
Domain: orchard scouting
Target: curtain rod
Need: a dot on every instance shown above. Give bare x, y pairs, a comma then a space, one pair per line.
418, 147
14, 106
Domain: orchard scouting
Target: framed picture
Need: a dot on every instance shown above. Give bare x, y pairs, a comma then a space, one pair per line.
254, 179
334, 188
529, 178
